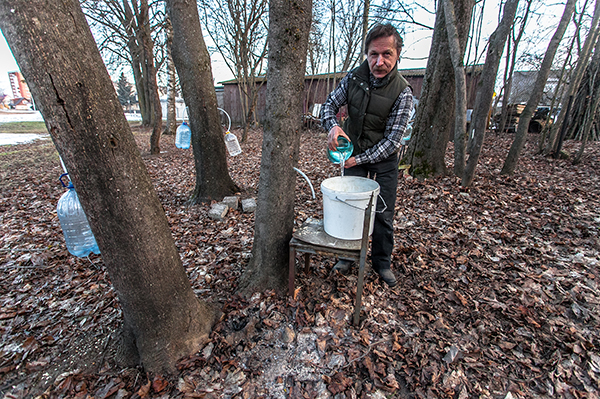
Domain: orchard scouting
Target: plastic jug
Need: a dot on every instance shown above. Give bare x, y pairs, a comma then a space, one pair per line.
183, 136
76, 229
232, 144
343, 150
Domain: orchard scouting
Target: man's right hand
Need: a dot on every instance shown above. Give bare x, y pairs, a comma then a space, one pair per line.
332, 137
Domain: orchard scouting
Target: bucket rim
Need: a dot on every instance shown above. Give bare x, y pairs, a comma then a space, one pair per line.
374, 186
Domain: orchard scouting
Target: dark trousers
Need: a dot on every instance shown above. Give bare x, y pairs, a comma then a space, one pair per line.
386, 174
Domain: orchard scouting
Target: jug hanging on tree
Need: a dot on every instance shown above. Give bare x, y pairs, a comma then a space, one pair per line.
76, 229
183, 134
231, 141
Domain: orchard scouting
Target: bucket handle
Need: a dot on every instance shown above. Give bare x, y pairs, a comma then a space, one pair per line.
364, 209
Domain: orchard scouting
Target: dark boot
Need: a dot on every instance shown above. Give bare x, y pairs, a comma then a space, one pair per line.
387, 276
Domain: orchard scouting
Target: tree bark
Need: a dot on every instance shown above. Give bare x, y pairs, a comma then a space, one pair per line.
435, 113
171, 127
485, 91
460, 92
582, 62
592, 100
537, 90
289, 25
193, 64
365, 27
57, 55
131, 23
581, 100
152, 84
511, 60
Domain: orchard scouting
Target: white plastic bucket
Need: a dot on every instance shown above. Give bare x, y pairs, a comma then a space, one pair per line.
345, 201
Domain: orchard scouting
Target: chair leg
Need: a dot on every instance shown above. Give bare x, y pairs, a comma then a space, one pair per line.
292, 271
307, 263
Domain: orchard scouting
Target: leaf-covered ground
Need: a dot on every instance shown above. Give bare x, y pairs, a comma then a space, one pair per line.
498, 294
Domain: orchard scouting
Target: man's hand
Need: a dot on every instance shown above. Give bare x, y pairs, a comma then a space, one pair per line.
350, 162
332, 137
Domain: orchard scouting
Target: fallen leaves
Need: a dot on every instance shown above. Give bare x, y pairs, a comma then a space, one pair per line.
498, 295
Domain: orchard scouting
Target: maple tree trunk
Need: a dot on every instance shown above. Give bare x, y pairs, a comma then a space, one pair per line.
171, 125
485, 91
163, 319
134, 44
460, 114
584, 54
435, 113
583, 96
289, 25
193, 64
592, 101
150, 70
510, 163
365, 26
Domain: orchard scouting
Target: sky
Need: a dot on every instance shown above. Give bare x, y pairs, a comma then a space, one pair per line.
418, 42
414, 54
7, 64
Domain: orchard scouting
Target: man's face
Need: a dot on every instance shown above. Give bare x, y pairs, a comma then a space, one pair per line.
382, 56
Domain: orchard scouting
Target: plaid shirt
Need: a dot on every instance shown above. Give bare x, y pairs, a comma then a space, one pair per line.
395, 125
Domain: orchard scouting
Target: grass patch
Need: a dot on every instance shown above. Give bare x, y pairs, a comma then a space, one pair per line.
23, 127
38, 127
38, 154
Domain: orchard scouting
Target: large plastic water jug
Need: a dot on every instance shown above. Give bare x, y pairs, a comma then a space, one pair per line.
232, 144
76, 229
183, 136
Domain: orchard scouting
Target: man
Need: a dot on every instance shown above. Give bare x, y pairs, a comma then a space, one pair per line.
379, 105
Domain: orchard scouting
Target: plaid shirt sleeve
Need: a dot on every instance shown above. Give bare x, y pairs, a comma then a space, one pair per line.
336, 99
394, 129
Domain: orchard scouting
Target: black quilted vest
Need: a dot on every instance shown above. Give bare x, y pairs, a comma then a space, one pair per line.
369, 108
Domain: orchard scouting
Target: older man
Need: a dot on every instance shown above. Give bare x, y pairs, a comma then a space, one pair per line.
379, 103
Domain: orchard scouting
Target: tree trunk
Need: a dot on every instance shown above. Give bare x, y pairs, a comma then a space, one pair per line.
138, 79
131, 22
560, 89
57, 55
289, 25
460, 92
435, 113
586, 128
507, 89
581, 100
171, 127
195, 75
149, 69
582, 62
592, 100
537, 90
485, 91
365, 27
511, 60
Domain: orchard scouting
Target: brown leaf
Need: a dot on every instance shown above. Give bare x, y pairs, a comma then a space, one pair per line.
159, 384
461, 298
338, 383
370, 368
144, 390
506, 345
321, 344
364, 337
